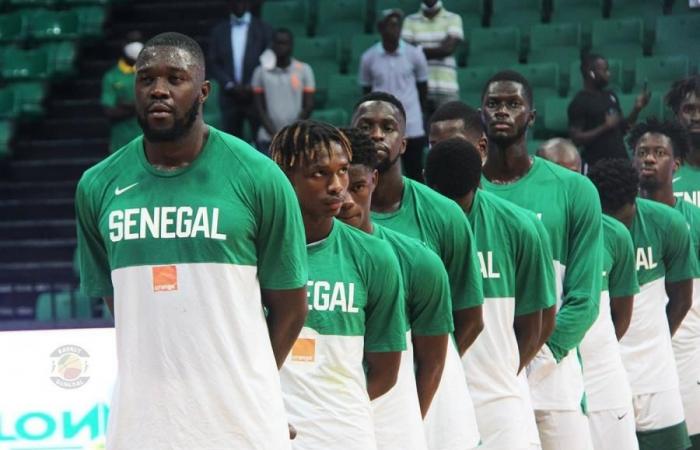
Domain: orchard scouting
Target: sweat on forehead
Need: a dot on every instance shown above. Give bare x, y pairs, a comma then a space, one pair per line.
169, 55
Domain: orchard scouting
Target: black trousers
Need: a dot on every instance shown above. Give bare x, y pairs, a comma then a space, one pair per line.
234, 116
412, 159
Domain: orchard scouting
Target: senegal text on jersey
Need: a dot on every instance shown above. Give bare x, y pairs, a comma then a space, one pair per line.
167, 222
326, 298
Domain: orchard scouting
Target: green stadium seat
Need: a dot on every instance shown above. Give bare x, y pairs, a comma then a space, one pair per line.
544, 79
32, 3
556, 118
63, 305
619, 39
212, 109
660, 72
7, 103
471, 83
336, 116
494, 46
558, 43
89, 2
648, 10
29, 98
521, 13
344, 18
576, 82
576, 11
12, 27
359, 44
91, 19
61, 58
471, 11
343, 92
47, 25
18, 64
322, 54
6, 129
289, 14
655, 107
677, 35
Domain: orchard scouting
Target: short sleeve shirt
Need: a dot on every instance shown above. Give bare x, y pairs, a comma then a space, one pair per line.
429, 33
185, 253
587, 111
284, 89
356, 305
686, 184
397, 73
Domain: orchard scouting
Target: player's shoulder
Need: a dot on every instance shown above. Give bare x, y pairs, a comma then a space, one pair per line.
362, 243
123, 160
568, 179
614, 230
430, 199
660, 214
237, 156
689, 211
414, 253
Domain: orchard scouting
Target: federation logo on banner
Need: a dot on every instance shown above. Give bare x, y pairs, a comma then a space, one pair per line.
69, 366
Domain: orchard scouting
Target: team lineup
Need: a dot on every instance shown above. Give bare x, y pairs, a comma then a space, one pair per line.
319, 299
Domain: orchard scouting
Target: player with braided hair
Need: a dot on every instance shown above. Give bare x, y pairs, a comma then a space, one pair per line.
665, 265
355, 300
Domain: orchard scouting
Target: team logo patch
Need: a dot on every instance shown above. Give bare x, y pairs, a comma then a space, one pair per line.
69, 366
164, 278
304, 350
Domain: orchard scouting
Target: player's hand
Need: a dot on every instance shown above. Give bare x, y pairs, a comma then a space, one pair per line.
642, 100
292, 431
612, 120
541, 366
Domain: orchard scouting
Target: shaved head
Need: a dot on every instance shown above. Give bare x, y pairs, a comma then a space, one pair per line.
562, 152
176, 50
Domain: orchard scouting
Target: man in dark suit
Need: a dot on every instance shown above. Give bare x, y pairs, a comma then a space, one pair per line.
235, 46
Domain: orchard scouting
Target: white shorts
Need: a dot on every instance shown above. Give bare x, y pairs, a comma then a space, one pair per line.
658, 410
689, 379
533, 434
613, 429
563, 430
501, 427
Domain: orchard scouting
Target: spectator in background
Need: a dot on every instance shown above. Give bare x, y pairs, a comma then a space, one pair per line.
118, 94
256, 7
235, 46
283, 93
684, 100
400, 69
438, 32
561, 151
596, 123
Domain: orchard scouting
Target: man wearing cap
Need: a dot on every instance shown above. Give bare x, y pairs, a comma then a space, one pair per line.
118, 94
401, 69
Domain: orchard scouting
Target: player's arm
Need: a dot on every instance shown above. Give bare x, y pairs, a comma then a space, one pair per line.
382, 372
109, 301
307, 99
446, 48
622, 282
547, 296
680, 299
681, 267
549, 321
429, 354
385, 320
469, 323
286, 312
430, 314
580, 136
621, 312
259, 102
527, 332
582, 281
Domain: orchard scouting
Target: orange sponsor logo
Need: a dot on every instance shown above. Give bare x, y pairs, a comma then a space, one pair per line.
164, 278
304, 350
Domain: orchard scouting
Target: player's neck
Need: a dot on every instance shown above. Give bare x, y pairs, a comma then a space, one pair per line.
589, 85
693, 158
180, 152
507, 162
389, 192
316, 228
283, 63
664, 194
467, 201
390, 46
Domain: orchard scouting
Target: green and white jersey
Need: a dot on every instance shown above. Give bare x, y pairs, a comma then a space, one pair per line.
517, 279
516, 269
686, 341
440, 223
663, 253
185, 254
568, 205
355, 306
397, 416
607, 386
686, 184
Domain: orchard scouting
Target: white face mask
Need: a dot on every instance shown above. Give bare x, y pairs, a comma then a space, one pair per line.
431, 9
132, 50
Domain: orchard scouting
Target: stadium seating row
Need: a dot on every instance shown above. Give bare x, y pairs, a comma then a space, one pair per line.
47, 25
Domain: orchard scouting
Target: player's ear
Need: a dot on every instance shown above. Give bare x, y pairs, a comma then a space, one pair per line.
204, 91
676, 163
404, 142
531, 119
375, 177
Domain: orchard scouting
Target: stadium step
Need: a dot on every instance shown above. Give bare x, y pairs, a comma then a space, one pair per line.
36, 209
92, 129
47, 272
36, 250
81, 108
59, 169
38, 229
37, 189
